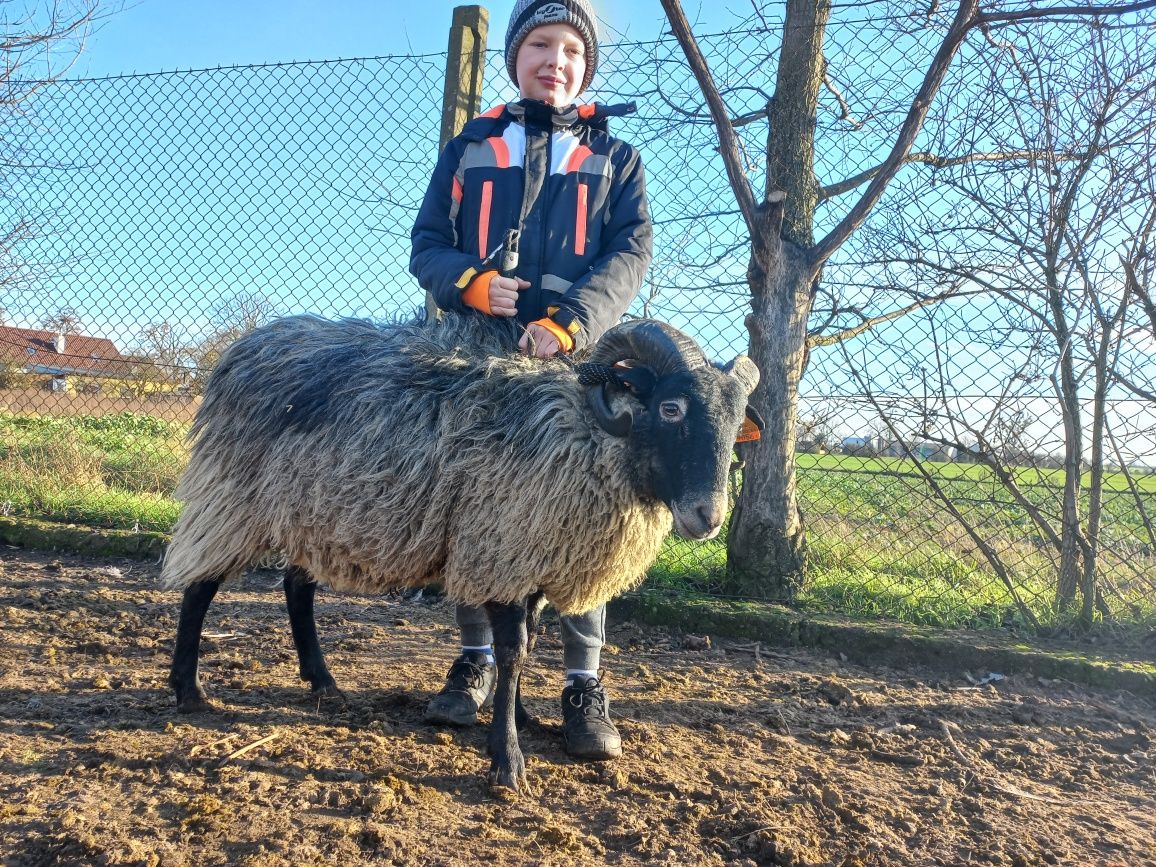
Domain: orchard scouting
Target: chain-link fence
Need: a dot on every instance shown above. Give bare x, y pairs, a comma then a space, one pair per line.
162, 215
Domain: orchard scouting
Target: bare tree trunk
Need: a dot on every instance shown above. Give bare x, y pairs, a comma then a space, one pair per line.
767, 543
1070, 523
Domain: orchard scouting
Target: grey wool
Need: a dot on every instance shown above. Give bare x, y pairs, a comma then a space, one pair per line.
529, 14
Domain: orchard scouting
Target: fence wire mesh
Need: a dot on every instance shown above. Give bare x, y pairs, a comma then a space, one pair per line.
160, 216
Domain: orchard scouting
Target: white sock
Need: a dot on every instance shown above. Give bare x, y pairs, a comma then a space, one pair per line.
572, 673
487, 649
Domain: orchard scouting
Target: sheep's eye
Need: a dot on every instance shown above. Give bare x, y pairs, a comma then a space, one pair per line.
672, 410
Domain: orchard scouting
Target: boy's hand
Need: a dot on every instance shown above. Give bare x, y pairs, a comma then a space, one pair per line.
545, 338
494, 294
504, 294
545, 343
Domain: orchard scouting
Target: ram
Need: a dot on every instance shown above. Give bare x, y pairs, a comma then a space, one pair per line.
376, 456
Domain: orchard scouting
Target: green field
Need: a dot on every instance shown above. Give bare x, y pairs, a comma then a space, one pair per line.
879, 544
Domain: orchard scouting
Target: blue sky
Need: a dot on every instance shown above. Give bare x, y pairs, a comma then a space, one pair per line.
154, 35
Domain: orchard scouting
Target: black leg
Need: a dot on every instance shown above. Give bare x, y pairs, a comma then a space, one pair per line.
183, 678
299, 592
508, 622
534, 607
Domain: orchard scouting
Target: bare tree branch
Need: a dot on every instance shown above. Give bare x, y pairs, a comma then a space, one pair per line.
932, 80
815, 340
1090, 10
940, 162
728, 141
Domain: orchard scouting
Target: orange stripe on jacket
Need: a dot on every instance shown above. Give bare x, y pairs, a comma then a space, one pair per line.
484, 219
587, 111
577, 158
501, 151
580, 222
496, 111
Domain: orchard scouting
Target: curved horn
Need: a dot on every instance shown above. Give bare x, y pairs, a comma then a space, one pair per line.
659, 346
619, 424
745, 371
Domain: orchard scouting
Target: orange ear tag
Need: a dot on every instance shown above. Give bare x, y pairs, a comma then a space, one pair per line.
749, 432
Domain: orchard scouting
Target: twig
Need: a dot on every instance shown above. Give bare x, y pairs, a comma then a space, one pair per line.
198, 747
998, 784
249, 747
756, 831
756, 647
223, 636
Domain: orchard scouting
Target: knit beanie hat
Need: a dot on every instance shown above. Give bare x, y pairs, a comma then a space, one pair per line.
529, 14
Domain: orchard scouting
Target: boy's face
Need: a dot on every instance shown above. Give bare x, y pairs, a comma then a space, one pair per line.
551, 64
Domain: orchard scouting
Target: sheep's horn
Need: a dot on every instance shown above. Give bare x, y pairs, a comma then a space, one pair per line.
657, 345
616, 424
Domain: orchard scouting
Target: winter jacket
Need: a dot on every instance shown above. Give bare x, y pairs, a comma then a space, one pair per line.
586, 239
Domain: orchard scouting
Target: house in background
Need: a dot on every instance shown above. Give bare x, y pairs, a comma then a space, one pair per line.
54, 357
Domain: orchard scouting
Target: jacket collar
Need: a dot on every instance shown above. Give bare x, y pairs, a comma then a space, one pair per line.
591, 114
530, 111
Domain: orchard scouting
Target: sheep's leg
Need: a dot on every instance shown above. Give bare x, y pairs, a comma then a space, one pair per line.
183, 677
534, 606
508, 622
300, 589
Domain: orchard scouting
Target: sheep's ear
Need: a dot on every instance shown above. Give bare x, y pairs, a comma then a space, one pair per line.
745, 371
636, 378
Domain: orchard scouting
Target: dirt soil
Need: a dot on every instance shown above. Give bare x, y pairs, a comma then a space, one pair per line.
787, 757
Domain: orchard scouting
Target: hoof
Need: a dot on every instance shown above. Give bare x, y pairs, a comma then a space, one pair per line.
507, 780
510, 774
197, 704
329, 695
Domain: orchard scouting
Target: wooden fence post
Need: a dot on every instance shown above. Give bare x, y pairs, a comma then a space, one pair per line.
465, 63
462, 95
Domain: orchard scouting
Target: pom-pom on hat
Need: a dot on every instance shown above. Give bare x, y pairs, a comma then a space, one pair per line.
529, 14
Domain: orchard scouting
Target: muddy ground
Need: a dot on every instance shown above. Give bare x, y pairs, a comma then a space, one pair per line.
788, 758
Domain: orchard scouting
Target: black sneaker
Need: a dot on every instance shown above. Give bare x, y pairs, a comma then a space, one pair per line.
587, 731
469, 688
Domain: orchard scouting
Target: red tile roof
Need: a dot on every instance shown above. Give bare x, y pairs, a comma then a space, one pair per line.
35, 351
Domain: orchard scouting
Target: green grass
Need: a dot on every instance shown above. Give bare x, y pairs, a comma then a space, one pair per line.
879, 544
113, 471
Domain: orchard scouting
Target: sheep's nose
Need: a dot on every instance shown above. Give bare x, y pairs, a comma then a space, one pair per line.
710, 515
699, 520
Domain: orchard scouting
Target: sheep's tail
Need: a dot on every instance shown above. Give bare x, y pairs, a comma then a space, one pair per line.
211, 540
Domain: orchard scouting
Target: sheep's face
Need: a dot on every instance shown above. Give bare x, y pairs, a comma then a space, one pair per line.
688, 422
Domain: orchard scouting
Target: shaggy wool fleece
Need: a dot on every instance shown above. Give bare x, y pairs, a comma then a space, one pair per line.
400, 456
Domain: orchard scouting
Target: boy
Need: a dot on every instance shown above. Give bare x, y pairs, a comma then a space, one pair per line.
549, 169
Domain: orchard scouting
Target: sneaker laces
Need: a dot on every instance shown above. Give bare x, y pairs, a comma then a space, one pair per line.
473, 673
589, 698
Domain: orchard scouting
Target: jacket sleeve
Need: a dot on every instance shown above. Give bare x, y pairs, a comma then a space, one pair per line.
440, 267
597, 300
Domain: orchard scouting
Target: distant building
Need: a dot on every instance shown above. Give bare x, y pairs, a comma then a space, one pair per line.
57, 356
857, 445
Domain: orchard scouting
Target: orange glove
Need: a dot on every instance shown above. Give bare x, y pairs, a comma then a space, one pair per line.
477, 294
